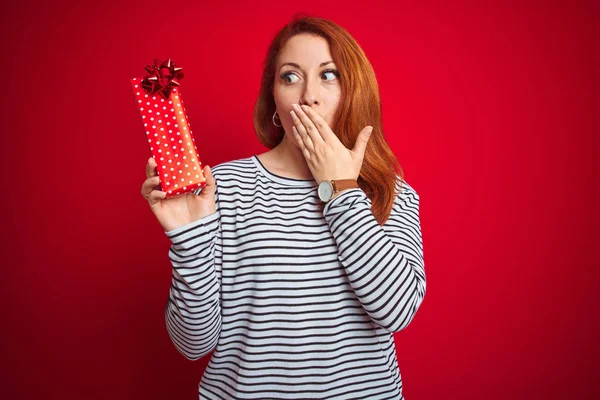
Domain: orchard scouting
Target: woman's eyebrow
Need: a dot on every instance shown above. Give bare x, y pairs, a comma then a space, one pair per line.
298, 66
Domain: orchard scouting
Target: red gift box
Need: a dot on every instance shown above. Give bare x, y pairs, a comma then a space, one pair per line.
167, 129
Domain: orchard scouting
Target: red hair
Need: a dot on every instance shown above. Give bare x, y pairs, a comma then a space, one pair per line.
359, 106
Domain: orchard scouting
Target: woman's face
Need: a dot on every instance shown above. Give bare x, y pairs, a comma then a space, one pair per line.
305, 72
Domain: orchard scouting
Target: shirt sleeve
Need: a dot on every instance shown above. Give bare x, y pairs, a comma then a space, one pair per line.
193, 311
384, 263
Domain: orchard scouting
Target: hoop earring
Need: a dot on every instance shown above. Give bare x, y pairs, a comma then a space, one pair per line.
273, 118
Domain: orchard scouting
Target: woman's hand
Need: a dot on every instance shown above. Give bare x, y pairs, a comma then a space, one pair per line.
179, 210
325, 155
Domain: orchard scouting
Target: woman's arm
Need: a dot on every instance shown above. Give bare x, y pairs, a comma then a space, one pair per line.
193, 311
384, 263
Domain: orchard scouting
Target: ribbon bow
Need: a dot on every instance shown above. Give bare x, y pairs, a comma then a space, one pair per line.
162, 77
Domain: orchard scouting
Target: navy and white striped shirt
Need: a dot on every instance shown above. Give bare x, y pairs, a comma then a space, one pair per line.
298, 298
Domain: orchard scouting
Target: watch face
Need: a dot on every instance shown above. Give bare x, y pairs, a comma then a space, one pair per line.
325, 190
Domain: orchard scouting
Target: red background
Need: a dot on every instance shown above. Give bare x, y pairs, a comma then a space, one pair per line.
491, 109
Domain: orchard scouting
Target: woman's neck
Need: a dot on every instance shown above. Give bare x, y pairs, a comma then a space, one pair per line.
290, 159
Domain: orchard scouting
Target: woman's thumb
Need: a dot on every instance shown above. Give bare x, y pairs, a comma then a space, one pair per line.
210, 180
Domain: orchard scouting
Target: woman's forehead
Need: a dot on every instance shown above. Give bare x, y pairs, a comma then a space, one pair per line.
306, 51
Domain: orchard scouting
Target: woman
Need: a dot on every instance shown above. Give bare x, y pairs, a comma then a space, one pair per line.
299, 292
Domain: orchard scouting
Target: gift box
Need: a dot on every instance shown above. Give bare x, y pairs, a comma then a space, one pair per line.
167, 128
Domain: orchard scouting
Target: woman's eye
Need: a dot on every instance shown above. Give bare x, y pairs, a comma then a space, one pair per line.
333, 73
287, 75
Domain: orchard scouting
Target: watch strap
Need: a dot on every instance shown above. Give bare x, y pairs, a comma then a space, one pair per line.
342, 184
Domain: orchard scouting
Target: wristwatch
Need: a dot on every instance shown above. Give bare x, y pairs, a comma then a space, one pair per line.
328, 188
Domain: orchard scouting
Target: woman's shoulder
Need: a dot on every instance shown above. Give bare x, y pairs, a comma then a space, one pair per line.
234, 168
238, 172
404, 190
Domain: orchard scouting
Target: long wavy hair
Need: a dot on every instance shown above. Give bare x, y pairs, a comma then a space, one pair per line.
359, 106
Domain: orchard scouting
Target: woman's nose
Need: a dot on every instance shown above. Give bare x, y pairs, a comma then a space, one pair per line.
309, 95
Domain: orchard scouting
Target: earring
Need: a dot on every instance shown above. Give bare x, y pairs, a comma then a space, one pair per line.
275, 114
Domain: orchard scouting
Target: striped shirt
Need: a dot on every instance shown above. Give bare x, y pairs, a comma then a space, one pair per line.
299, 299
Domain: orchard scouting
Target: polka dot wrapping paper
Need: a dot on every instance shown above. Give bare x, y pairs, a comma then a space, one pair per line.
170, 139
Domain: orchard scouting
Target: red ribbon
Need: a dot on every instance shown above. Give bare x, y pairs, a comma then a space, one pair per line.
162, 78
